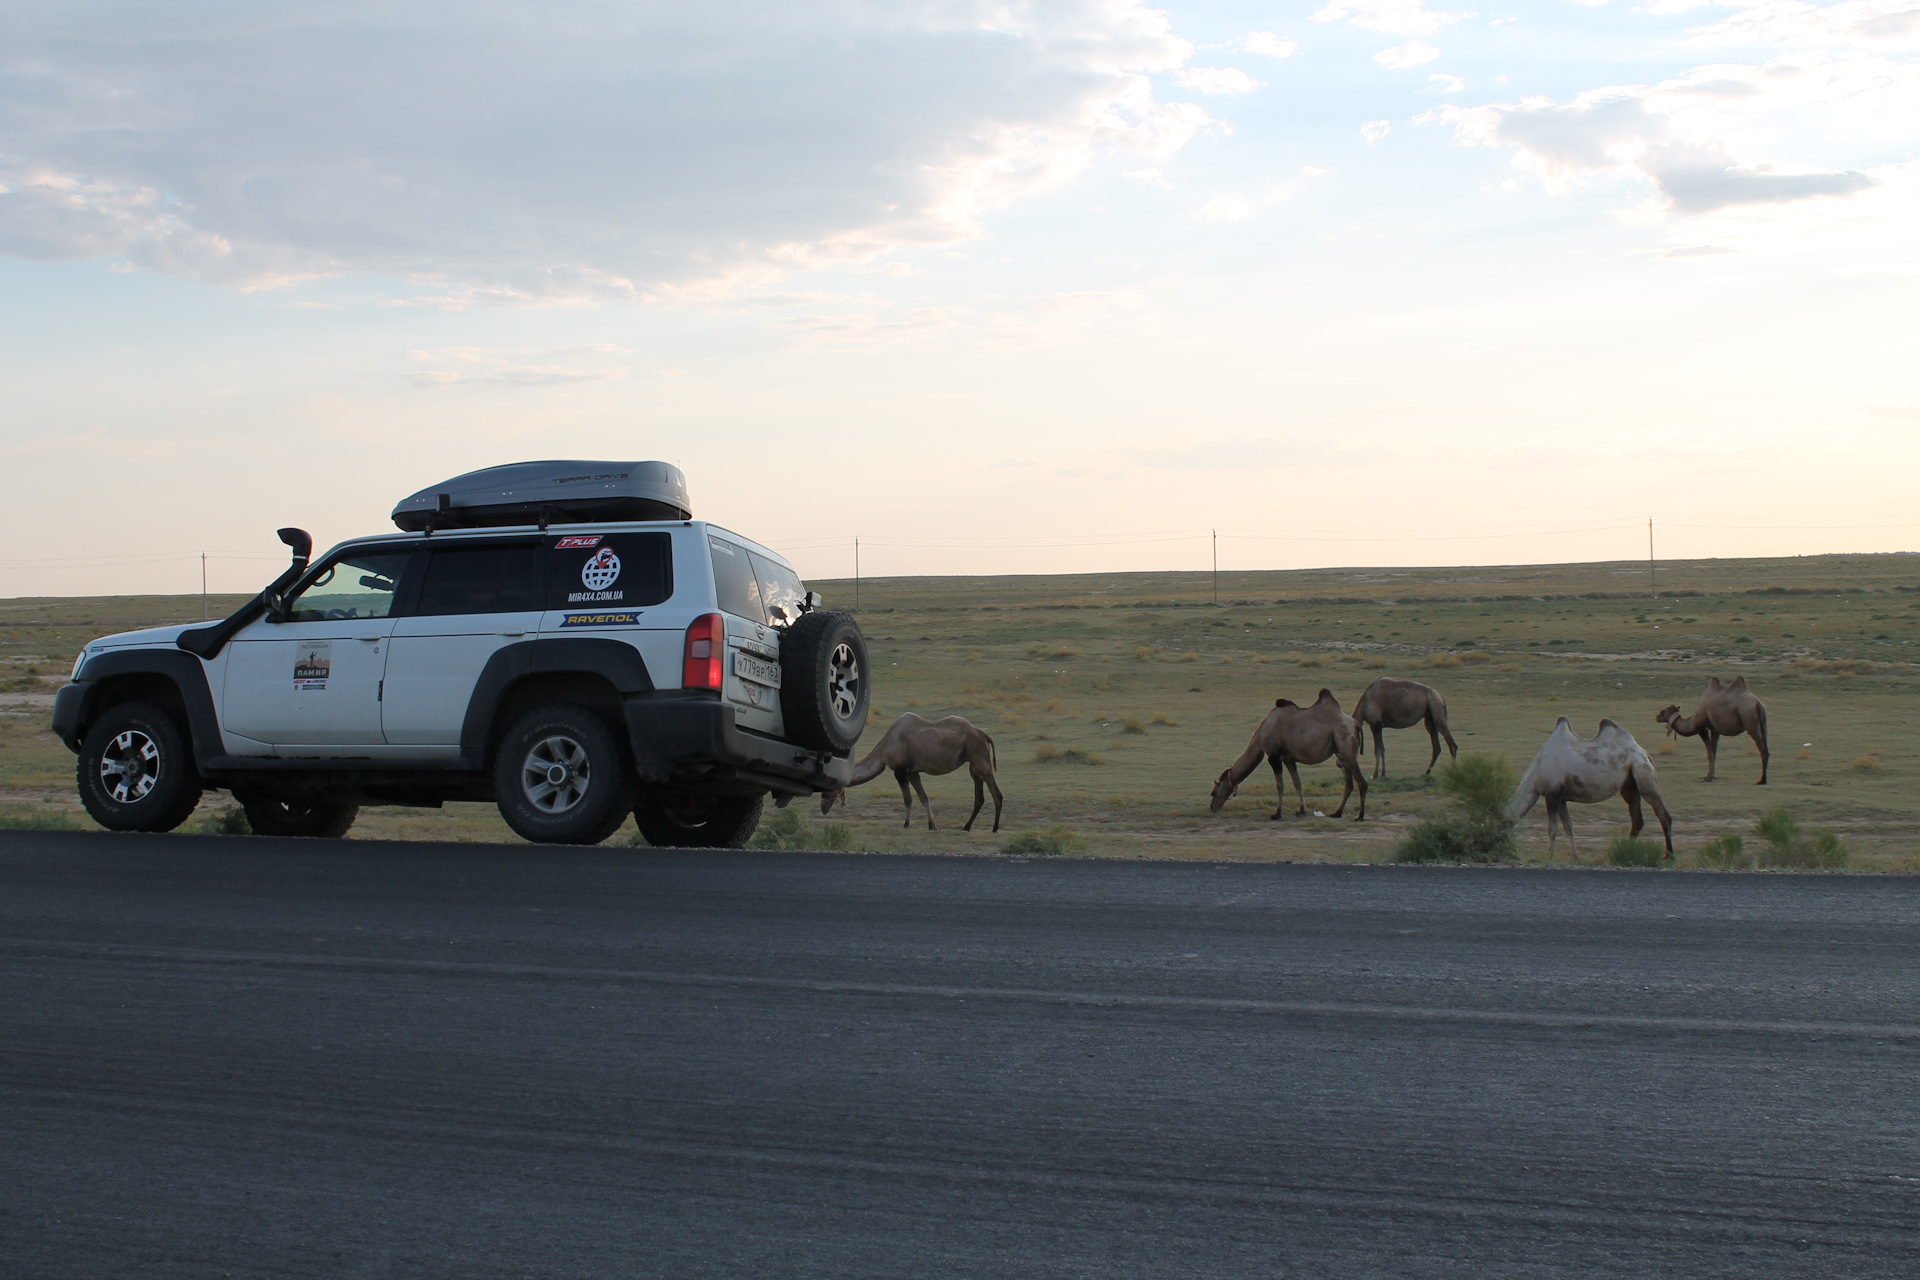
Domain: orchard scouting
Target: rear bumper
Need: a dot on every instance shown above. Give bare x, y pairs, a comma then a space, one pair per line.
691, 741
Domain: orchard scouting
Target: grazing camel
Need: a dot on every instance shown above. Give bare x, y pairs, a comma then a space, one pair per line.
1724, 711
1294, 735
915, 745
1402, 704
1589, 770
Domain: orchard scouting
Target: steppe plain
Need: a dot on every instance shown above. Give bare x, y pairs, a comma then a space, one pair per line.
1115, 699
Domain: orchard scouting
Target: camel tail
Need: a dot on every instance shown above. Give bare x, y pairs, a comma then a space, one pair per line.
1526, 792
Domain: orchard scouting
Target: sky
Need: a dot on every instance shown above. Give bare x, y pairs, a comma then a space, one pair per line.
991, 287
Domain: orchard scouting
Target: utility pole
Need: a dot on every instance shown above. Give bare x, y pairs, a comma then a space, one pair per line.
856, 575
205, 611
1653, 584
1216, 568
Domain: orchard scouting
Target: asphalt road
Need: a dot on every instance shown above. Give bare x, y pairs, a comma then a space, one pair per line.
235, 1056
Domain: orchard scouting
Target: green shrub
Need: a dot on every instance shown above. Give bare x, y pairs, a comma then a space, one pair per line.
227, 820
1728, 853
1054, 842
1787, 847
1478, 788
786, 829
1632, 851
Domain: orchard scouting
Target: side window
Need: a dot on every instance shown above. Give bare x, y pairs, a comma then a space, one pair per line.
780, 590
628, 569
735, 582
357, 585
482, 579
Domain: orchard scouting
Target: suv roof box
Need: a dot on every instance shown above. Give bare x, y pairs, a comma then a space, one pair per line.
560, 492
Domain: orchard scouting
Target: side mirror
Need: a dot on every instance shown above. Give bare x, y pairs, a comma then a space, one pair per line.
810, 602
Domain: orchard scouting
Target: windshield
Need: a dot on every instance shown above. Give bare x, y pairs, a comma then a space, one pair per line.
357, 585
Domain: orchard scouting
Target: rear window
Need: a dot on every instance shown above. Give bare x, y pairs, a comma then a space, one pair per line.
487, 579
631, 569
751, 586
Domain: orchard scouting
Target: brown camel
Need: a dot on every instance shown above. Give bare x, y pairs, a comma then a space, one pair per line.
1587, 771
1402, 704
1293, 735
1724, 711
915, 745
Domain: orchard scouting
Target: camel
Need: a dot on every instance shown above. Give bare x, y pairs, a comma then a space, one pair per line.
1724, 711
1402, 704
1293, 735
1588, 770
914, 745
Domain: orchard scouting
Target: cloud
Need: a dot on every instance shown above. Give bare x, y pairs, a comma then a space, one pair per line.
1224, 209
1395, 17
1440, 82
1147, 178
1411, 54
1893, 412
1680, 136
1269, 45
1374, 130
505, 155
1217, 80
1882, 24
470, 366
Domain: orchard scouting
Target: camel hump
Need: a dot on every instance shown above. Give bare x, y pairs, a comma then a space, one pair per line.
1739, 684
1326, 695
1713, 683
1606, 724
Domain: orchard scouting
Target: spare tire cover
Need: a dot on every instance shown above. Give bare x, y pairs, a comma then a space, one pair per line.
826, 682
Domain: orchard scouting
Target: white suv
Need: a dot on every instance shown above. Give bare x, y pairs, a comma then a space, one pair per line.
560, 638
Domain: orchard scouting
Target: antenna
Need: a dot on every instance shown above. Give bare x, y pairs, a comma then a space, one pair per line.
205, 610
1653, 584
856, 575
1216, 566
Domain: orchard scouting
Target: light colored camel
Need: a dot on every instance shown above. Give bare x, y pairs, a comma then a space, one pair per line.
1589, 770
1402, 704
1724, 711
1293, 735
914, 745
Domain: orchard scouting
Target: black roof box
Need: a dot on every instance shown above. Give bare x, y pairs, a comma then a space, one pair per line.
561, 492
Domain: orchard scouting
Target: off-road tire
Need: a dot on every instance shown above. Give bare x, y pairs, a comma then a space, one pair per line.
826, 682
698, 822
593, 793
136, 771
297, 818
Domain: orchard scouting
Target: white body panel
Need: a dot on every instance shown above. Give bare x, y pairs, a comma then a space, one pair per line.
312, 684
433, 664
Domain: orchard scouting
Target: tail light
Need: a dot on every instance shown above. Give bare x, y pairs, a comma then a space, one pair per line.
706, 650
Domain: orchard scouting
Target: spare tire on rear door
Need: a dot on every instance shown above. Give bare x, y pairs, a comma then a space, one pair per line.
826, 684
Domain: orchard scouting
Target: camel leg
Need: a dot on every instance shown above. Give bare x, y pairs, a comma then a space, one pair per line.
994, 787
1379, 752
1356, 778
1299, 791
1279, 789
906, 796
1759, 735
1712, 740
1453, 749
1566, 820
979, 802
1666, 819
1553, 826
922, 792
1346, 776
1433, 737
1631, 794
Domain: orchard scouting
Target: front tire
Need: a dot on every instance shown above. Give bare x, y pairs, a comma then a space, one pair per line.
698, 822
136, 772
560, 777
298, 818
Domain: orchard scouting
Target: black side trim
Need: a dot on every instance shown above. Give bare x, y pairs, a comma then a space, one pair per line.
74, 714
616, 661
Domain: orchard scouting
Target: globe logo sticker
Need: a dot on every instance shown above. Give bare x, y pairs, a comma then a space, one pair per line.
602, 571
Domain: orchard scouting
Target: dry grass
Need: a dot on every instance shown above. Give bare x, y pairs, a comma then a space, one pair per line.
1866, 763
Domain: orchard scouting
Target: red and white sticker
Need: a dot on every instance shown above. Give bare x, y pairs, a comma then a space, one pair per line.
566, 543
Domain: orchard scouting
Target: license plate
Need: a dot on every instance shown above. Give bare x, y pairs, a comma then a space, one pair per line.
758, 670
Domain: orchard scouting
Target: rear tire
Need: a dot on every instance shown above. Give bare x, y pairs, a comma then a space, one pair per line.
826, 682
136, 772
297, 818
699, 822
560, 777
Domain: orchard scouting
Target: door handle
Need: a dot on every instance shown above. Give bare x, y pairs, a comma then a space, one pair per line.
513, 633
369, 639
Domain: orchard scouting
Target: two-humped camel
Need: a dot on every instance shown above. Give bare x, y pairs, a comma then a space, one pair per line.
1292, 735
915, 745
1402, 704
1587, 771
1724, 711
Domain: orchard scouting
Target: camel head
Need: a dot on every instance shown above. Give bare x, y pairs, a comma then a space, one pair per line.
1666, 716
1223, 789
830, 798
